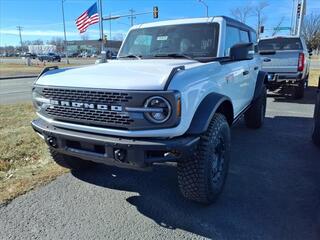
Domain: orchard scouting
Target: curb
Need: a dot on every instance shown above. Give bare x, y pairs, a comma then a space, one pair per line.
13, 77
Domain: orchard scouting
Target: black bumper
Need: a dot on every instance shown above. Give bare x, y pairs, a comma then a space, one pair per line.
276, 78
134, 153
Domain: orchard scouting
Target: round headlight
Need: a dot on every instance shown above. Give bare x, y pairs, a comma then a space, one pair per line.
158, 109
38, 100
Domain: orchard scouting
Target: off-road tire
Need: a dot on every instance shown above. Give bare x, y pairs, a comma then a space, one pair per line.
316, 128
298, 91
254, 116
69, 162
202, 176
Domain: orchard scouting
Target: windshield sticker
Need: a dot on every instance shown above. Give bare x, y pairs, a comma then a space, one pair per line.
162, 38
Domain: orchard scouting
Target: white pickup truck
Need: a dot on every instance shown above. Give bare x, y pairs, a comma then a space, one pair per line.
286, 59
171, 95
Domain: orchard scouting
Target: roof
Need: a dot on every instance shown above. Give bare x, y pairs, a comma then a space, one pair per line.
229, 20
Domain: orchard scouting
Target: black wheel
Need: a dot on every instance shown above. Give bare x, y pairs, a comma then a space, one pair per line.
299, 90
70, 162
201, 177
316, 128
254, 117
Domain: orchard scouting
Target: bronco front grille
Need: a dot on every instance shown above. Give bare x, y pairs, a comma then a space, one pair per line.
89, 116
103, 107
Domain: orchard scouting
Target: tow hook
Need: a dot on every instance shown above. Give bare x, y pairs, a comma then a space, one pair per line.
52, 141
120, 155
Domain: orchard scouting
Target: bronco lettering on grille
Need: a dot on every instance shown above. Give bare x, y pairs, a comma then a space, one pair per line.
115, 108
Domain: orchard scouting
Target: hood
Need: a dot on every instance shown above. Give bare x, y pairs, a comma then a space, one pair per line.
148, 74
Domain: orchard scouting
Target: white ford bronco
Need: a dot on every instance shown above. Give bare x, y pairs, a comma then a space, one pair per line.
171, 95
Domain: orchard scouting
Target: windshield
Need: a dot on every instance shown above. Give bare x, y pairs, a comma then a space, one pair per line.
280, 44
194, 40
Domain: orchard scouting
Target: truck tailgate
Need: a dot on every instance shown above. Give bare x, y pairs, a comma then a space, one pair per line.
280, 61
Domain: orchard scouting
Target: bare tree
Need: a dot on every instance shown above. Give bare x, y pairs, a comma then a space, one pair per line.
277, 28
261, 17
311, 30
241, 13
58, 42
84, 37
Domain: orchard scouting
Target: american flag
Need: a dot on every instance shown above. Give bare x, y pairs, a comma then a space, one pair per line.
87, 18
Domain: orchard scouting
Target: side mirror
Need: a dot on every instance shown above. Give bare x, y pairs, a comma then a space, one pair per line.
241, 51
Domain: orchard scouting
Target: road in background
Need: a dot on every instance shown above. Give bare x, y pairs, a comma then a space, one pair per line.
16, 90
73, 61
272, 192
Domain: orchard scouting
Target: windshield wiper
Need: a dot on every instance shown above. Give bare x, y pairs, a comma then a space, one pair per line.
131, 56
175, 55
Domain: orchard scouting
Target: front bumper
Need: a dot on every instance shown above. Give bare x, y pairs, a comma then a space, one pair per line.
123, 152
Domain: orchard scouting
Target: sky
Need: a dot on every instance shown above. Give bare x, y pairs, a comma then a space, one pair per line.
42, 19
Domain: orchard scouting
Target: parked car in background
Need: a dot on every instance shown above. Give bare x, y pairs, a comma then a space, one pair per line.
286, 59
316, 128
30, 55
50, 57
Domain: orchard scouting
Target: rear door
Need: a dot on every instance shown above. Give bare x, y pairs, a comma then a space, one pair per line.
280, 55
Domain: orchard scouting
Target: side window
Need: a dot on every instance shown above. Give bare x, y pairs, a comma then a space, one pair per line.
232, 38
253, 37
244, 36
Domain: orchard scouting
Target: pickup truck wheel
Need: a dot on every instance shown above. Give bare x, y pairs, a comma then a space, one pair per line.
299, 90
201, 177
69, 162
254, 117
316, 128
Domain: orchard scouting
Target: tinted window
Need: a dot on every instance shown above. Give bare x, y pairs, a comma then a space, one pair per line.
253, 37
232, 38
244, 36
280, 44
197, 40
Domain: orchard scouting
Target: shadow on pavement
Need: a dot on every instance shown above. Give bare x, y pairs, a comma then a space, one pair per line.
283, 96
272, 191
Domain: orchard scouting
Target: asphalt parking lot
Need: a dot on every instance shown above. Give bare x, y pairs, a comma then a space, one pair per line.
272, 192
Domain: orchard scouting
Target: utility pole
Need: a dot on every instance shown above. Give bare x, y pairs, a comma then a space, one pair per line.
206, 6
292, 17
110, 27
101, 25
131, 16
301, 11
64, 31
20, 29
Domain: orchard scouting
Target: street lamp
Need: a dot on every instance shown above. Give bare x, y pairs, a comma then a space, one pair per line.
206, 6
64, 31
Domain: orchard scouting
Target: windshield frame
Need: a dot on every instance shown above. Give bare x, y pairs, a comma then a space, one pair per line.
209, 54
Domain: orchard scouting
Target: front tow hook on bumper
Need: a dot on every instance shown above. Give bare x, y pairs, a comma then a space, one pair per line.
52, 141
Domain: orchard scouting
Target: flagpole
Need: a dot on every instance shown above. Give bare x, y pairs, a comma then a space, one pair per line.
101, 24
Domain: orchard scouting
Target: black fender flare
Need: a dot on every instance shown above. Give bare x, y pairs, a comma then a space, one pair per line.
205, 111
260, 83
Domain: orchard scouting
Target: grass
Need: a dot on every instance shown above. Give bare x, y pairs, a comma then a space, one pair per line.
14, 69
24, 161
314, 77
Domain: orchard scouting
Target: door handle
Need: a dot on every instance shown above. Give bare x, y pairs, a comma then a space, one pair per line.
267, 60
256, 68
245, 72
